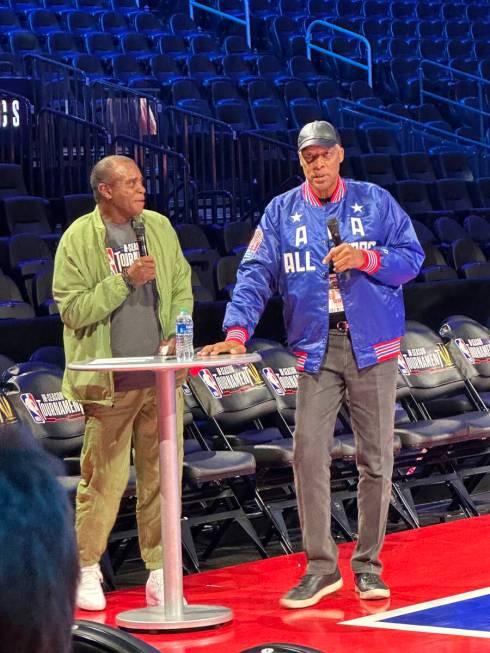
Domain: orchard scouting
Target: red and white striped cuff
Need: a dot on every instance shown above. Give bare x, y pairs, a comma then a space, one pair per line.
238, 334
301, 357
372, 261
388, 349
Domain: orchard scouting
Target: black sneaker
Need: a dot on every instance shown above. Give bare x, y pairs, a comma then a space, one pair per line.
312, 588
370, 586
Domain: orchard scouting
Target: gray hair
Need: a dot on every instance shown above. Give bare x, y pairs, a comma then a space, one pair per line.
103, 171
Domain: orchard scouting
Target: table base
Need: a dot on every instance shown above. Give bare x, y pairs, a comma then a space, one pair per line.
193, 616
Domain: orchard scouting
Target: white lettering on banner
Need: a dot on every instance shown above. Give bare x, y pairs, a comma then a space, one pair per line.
356, 226
10, 113
301, 236
298, 262
419, 360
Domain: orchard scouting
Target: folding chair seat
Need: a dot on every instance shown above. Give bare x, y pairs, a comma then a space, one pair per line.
428, 10
473, 341
296, 90
62, 45
270, 68
211, 482
435, 50
206, 44
101, 45
378, 139
235, 44
262, 10
376, 30
9, 21
271, 119
57, 6
482, 189
377, 168
26, 214
323, 9
259, 92
42, 293
453, 165
81, 22
424, 234
91, 65
114, 23
403, 10
89, 5
58, 424
303, 111
434, 446
482, 49
28, 255
12, 181
184, 26
51, 354
23, 43
455, 29
225, 271
295, 9
478, 229
43, 22
238, 69
12, 304
350, 141
165, 70
448, 230
201, 69
479, 29
413, 195
469, 259
478, 12
74, 206
403, 29
416, 165
399, 47
302, 68
434, 267
235, 114
285, 36
404, 79
136, 45
431, 29
453, 196
148, 23
127, 69
456, 47
125, 6
223, 91
197, 250
235, 398
174, 46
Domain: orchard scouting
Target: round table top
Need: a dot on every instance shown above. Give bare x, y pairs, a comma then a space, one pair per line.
162, 363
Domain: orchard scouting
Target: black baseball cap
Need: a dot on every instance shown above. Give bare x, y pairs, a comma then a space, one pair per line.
318, 132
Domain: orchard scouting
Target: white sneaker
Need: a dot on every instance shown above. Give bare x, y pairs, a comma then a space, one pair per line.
154, 588
90, 595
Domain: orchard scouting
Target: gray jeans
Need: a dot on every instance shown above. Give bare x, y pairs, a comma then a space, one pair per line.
371, 393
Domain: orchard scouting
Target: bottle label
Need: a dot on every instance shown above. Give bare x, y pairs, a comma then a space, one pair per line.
181, 328
335, 303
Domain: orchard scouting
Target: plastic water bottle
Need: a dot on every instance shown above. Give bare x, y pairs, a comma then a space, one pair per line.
184, 336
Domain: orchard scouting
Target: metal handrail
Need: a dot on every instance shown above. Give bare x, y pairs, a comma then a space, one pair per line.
330, 53
223, 14
463, 74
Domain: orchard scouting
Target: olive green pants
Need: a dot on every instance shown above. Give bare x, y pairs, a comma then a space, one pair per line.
111, 433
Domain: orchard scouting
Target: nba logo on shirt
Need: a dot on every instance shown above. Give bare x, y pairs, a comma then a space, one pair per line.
269, 374
32, 406
210, 382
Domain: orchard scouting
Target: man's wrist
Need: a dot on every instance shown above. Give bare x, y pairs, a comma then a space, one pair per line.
237, 334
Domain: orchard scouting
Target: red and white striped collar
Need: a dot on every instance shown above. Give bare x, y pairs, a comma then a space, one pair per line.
312, 198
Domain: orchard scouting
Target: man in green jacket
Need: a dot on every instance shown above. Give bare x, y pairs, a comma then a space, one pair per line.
114, 302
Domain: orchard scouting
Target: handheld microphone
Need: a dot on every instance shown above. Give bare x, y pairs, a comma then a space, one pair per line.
139, 230
333, 227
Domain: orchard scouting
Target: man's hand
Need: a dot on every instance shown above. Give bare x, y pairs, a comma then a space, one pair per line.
224, 347
170, 344
141, 271
344, 257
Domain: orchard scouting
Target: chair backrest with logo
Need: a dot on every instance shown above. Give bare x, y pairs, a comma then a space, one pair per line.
58, 423
232, 394
278, 369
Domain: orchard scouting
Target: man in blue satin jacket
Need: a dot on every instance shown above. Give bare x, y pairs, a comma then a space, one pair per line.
338, 252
